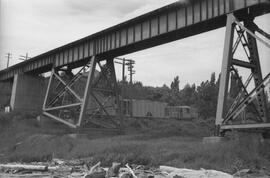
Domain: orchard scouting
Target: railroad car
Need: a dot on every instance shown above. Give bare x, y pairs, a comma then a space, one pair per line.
155, 109
180, 112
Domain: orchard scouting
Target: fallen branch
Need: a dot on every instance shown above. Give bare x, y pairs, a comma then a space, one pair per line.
35, 167
94, 167
25, 175
131, 171
24, 167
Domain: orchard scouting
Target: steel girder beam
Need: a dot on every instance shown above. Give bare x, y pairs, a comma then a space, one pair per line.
225, 70
248, 99
176, 21
78, 108
117, 94
247, 126
87, 90
257, 73
248, 39
107, 78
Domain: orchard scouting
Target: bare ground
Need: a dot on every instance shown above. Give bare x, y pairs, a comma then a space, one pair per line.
147, 142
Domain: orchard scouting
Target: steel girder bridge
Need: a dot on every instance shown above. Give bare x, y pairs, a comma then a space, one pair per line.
173, 22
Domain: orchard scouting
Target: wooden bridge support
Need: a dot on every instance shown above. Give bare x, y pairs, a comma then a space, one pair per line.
86, 97
256, 99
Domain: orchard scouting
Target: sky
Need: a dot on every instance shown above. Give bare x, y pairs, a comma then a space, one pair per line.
37, 26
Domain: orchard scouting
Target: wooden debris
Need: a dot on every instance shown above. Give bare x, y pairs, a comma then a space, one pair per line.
177, 172
131, 171
58, 161
61, 168
125, 175
24, 167
96, 172
114, 170
93, 168
26, 175
95, 175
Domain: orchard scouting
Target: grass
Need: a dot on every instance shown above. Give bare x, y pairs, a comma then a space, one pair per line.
171, 143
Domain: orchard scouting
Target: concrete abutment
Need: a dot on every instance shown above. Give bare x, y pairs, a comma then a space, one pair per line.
5, 94
252, 138
28, 92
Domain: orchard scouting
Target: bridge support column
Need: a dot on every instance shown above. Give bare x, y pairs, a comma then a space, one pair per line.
27, 93
225, 70
86, 97
5, 94
252, 101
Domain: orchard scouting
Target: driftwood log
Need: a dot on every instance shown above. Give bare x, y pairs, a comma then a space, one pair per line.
24, 167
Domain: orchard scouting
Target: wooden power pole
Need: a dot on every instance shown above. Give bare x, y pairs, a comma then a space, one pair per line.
8, 56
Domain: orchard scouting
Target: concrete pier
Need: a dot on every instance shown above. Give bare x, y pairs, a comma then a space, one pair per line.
213, 140
251, 138
5, 94
28, 93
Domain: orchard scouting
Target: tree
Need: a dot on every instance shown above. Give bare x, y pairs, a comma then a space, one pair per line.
173, 97
188, 95
207, 98
213, 78
235, 85
175, 84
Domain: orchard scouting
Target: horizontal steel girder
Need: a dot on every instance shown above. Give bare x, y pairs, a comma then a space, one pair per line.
170, 23
246, 126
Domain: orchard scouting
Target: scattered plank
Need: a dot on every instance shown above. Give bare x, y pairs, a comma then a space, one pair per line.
25, 175
24, 167
131, 171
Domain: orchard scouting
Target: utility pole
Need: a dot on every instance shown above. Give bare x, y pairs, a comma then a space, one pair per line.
127, 62
123, 63
130, 64
123, 70
8, 56
24, 58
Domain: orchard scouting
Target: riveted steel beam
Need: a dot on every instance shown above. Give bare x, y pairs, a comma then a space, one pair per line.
173, 22
256, 98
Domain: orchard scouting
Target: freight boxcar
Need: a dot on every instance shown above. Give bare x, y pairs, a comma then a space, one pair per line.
180, 112
144, 108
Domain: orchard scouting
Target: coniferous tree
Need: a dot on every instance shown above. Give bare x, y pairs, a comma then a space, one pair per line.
175, 84
188, 95
235, 86
207, 98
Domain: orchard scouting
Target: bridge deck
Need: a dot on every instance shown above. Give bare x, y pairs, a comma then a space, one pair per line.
170, 23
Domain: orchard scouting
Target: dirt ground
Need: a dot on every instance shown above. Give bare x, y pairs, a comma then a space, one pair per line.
150, 142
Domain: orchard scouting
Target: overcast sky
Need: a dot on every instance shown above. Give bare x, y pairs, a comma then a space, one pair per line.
37, 26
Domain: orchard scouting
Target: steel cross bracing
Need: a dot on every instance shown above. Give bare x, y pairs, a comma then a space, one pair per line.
254, 101
86, 97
